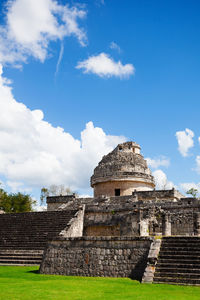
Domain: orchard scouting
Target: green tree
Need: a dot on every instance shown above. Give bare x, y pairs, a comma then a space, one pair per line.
15, 202
193, 192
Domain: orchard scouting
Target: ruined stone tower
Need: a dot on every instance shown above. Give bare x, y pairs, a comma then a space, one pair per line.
121, 172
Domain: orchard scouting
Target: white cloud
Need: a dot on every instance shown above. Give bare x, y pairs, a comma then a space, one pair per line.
161, 180
186, 186
17, 187
31, 25
158, 162
114, 46
185, 141
33, 153
37, 206
84, 196
59, 58
104, 66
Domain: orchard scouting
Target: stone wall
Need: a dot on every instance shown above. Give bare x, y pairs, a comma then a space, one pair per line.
182, 223
54, 202
126, 187
112, 223
97, 256
75, 226
68, 201
143, 213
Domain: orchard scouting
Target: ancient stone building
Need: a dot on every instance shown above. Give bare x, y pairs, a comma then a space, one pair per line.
128, 229
121, 172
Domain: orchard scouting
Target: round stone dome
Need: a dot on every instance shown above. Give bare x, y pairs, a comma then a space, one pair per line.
121, 172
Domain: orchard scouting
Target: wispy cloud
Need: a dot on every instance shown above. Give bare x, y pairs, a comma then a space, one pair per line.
104, 66
59, 58
114, 46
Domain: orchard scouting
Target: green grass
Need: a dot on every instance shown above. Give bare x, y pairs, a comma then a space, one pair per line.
25, 283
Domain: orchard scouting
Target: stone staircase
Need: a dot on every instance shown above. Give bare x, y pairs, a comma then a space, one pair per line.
23, 236
20, 257
179, 261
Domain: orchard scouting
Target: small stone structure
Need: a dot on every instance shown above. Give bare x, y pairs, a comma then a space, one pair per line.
121, 172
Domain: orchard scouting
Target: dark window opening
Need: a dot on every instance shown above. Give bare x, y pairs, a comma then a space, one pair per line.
117, 192
120, 148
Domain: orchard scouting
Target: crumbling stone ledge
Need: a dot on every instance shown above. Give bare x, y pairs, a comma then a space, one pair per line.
152, 261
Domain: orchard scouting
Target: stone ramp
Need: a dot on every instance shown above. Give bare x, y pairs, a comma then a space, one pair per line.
23, 236
179, 261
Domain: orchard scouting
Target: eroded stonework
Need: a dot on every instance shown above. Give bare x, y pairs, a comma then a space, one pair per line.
119, 224
124, 169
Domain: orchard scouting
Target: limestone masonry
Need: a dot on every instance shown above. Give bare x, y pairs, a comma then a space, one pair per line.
121, 172
128, 229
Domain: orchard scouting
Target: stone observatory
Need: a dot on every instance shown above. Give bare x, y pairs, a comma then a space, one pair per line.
121, 172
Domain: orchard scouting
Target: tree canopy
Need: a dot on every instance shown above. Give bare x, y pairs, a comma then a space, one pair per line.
15, 202
193, 192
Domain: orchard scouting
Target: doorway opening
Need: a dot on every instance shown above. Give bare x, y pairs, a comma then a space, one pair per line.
117, 192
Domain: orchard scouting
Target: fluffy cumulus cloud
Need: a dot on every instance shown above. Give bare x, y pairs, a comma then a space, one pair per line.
162, 183
33, 153
185, 141
30, 26
104, 66
158, 162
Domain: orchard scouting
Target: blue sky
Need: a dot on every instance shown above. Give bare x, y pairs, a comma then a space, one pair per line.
158, 46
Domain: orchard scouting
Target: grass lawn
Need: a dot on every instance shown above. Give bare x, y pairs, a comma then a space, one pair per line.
25, 283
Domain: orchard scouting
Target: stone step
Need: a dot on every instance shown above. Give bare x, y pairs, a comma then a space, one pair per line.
187, 281
19, 264
180, 252
177, 270
180, 261
22, 262
43, 244
177, 265
22, 248
27, 232
23, 252
177, 275
180, 237
178, 245
176, 257
31, 233
13, 257
20, 254
181, 248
